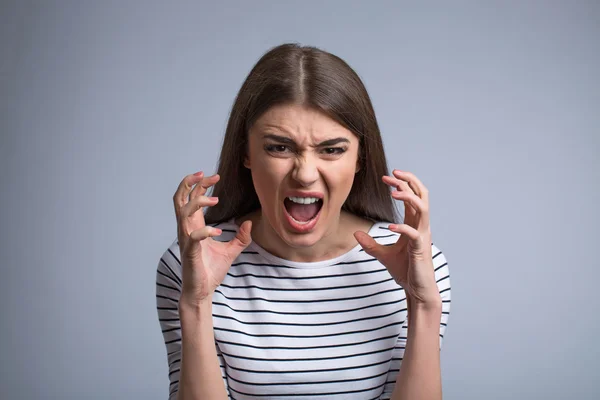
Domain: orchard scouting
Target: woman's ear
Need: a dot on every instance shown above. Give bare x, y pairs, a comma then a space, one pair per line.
246, 162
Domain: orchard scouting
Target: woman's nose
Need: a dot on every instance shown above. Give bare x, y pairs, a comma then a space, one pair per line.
305, 172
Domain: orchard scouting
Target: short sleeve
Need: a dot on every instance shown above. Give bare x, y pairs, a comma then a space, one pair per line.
442, 277
168, 291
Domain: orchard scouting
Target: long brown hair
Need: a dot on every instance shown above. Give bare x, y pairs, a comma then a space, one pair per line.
306, 75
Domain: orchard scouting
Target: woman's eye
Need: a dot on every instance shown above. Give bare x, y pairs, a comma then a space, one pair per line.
276, 148
334, 150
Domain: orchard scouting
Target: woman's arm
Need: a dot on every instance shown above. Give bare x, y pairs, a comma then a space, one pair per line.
170, 316
200, 375
423, 328
420, 376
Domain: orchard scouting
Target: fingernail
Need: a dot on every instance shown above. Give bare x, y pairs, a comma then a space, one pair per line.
198, 173
214, 198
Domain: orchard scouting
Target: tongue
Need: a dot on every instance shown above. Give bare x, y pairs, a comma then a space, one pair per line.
301, 212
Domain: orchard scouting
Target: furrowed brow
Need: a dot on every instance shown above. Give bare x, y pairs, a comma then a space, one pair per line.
333, 142
280, 139
288, 141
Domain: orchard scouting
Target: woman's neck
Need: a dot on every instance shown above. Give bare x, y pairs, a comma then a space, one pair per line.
337, 240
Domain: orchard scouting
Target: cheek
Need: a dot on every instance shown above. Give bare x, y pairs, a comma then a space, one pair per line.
340, 179
267, 175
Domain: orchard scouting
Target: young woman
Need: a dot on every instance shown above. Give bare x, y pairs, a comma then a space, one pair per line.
295, 279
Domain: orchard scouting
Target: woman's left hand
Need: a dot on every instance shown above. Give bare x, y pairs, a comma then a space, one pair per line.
409, 260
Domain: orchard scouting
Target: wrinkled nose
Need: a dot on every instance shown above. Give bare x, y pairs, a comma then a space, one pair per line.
305, 172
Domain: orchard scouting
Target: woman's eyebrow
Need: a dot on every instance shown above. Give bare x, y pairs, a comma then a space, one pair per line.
287, 140
280, 139
333, 142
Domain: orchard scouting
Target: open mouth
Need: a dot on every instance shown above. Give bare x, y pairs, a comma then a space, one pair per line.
302, 212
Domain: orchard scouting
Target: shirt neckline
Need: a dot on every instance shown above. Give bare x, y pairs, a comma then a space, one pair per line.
278, 261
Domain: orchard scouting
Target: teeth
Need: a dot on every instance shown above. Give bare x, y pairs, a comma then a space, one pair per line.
300, 222
303, 200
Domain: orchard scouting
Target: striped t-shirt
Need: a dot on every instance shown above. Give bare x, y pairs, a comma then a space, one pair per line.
298, 330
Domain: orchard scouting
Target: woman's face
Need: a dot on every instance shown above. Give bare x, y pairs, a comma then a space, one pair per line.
303, 165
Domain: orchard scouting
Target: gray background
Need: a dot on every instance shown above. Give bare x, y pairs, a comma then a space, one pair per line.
106, 105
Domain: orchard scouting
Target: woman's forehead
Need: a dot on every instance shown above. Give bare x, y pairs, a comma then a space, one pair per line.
300, 124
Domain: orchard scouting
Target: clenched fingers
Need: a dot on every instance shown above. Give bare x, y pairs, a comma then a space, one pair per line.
196, 204
204, 185
180, 198
416, 202
192, 245
185, 192
397, 183
205, 232
415, 184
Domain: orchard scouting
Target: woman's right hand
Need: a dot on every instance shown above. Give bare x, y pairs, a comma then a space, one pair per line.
204, 261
